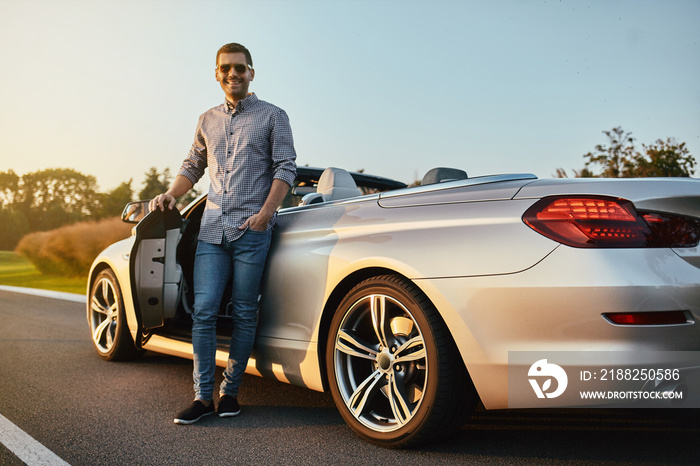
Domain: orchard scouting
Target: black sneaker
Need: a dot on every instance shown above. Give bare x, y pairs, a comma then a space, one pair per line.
194, 413
228, 406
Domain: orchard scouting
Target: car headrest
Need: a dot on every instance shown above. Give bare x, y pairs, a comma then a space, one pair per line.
336, 183
443, 174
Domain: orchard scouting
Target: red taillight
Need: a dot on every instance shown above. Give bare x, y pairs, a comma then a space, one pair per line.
674, 231
585, 209
588, 222
606, 222
647, 318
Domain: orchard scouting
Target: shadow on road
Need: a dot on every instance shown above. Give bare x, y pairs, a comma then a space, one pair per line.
573, 435
589, 435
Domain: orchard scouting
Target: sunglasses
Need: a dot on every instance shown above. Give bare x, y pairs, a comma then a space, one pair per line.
238, 67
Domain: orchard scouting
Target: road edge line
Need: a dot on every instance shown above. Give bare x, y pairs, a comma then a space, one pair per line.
25, 447
77, 298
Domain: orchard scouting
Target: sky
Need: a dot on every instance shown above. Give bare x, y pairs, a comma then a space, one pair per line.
111, 88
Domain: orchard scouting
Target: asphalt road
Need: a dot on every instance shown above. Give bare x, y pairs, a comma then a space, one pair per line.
55, 388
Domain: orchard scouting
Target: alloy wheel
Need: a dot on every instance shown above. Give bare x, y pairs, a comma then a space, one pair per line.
380, 361
104, 307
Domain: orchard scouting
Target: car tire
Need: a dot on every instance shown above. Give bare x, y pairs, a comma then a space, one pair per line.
393, 369
107, 319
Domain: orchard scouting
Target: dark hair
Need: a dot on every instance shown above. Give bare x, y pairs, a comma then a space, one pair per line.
234, 48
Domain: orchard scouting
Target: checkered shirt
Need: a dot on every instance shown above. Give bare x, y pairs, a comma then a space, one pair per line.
245, 148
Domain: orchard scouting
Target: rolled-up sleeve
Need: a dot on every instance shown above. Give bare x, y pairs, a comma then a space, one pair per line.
196, 162
284, 165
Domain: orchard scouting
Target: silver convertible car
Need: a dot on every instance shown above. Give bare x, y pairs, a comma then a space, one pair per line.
413, 304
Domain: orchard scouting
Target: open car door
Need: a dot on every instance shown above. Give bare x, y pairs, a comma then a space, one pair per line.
155, 274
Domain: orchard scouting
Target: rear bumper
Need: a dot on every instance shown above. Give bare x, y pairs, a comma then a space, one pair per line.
557, 306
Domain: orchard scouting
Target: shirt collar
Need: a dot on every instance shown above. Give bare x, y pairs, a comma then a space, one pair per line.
242, 104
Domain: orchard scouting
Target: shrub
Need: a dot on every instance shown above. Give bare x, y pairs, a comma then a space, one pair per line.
70, 250
31, 247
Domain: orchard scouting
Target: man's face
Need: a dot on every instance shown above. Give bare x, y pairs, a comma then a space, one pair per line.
234, 84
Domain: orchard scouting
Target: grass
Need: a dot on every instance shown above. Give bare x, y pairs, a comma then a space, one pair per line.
16, 270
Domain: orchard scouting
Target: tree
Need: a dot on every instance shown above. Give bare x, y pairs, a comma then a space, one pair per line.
616, 160
620, 159
155, 183
112, 203
55, 197
188, 197
13, 226
43, 200
9, 187
665, 158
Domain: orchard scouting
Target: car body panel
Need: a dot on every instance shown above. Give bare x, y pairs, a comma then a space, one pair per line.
485, 188
673, 195
116, 257
557, 305
156, 275
498, 284
326, 247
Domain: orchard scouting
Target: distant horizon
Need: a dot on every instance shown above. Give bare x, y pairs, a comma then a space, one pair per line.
202, 186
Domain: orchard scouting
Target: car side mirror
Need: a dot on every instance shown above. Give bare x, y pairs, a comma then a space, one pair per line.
134, 212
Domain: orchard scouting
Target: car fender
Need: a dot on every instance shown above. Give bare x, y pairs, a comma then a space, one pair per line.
116, 257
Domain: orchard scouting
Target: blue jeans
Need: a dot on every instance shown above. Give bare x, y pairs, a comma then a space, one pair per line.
213, 266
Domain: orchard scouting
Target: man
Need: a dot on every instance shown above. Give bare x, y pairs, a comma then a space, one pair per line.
247, 145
